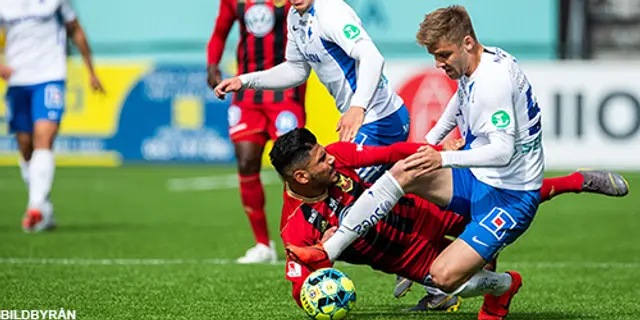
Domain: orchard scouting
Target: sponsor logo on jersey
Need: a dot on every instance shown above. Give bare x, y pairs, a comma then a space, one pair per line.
351, 32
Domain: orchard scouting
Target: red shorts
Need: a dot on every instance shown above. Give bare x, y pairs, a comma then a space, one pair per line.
261, 122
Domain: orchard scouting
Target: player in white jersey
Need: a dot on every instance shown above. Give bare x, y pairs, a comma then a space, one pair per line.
36, 70
327, 36
495, 181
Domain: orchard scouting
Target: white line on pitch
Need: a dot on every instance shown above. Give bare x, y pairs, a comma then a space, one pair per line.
73, 261
227, 181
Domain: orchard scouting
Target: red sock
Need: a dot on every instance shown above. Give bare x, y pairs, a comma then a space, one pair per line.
252, 195
552, 187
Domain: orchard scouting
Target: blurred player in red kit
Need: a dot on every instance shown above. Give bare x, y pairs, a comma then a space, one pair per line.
321, 186
255, 116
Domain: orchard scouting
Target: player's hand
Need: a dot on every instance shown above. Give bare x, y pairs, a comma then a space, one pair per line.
350, 123
228, 85
453, 144
5, 72
425, 160
327, 234
214, 76
96, 85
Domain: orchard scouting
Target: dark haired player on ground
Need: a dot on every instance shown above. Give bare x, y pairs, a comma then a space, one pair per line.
256, 116
321, 185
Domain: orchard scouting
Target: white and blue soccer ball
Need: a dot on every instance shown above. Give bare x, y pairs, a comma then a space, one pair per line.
328, 294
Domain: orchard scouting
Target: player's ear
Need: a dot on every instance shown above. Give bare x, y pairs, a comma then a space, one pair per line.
301, 176
468, 43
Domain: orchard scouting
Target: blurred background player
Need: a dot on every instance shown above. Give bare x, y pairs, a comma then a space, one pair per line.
256, 115
36, 71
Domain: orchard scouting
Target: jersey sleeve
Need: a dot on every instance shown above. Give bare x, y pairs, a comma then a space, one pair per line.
292, 52
496, 112
343, 27
359, 156
67, 12
297, 231
224, 22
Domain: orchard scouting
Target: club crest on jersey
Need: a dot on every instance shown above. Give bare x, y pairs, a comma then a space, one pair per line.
498, 221
260, 20
345, 183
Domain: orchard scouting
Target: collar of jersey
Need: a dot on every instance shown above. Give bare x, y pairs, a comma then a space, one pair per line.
296, 196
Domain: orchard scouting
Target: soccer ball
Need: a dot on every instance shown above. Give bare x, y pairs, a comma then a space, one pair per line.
328, 294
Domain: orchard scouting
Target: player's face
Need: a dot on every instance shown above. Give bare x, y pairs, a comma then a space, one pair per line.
452, 58
319, 172
301, 5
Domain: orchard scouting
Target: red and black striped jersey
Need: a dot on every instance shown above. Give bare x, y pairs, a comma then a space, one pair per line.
405, 242
262, 43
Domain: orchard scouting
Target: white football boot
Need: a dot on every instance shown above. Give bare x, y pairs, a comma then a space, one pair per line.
260, 254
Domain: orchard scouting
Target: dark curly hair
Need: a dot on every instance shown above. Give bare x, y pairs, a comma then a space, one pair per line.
291, 150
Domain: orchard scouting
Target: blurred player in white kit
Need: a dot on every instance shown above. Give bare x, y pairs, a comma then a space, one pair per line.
36, 72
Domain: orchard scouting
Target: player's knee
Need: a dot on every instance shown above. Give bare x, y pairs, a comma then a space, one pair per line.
444, 279
44, 133
248, 164
403, 177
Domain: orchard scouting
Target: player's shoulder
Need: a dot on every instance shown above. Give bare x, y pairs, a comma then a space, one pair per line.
326, 11
496, 64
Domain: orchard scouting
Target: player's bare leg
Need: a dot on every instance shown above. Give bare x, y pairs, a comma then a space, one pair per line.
41, 169
249, 157
25, 145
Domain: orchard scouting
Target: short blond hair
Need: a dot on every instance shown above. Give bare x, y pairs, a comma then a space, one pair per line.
452, 23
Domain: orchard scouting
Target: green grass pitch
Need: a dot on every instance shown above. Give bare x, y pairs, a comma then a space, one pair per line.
132, 246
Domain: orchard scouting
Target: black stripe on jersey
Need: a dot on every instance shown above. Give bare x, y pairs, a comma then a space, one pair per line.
383, 244
245, 45
278, 44
314, 217
258, 51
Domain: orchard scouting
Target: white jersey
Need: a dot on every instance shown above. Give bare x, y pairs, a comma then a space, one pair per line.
499, 97
324, 37
36, 39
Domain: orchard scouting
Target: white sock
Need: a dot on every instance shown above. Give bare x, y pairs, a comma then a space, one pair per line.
24, 171
435, 291
484, 282
369, 208
41, 170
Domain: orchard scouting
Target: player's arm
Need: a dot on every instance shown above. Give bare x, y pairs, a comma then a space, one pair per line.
446, 123
297, 231
215, 47
5, 70
343, 28
79, 38
293, 72
495, 121
359, 156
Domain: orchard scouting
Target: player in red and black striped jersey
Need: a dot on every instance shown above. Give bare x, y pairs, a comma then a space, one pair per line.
321, 185
256, 116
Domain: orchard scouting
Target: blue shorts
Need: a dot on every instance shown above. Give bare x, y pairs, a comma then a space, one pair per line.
384, 132
498, 216
28, 104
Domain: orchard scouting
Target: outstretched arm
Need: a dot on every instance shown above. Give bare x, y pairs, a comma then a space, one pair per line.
360, 156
